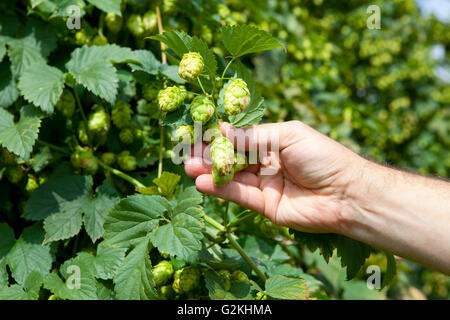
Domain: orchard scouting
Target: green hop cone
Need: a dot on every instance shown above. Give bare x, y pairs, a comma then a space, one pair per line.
266, 227
202, 109
121, 114
98, 124
135, 25
185, 279
225, 276
240, 161
84, 159
166, 292
126, 161
15, 174
237, 97
212, 131
66, 103
100, 40
239, 277
82, 133
222, 155
150, 90
170, 6
126, 136
32, 184
149, 22
184, 92
81, 38
191, 66
162, 272
184, 134
113, 22
108, 158
170, 99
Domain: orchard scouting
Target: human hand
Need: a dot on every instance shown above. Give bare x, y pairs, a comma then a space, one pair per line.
308, 189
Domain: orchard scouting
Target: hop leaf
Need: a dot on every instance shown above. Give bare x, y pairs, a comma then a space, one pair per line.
191, 66
202, 109
236, 97
170, 98
222, 154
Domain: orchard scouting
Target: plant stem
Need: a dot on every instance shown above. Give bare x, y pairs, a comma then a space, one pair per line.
241, 218
121, 174
236, 245
164, 61
226, 68
52, 146
244, 256
83, 115
201, 86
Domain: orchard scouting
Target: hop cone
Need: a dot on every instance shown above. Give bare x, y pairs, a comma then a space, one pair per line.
236, 97
162, 272
100, 40
121, 114
149, 22
126, 136
98, 122
191, 66
240, 161
150, 90
185, 279
184, 133
202, 109
225, 276
239, 276
222, 154
126, 161
108, 158
15, 174
66, 103
135, 25
83, 158
113, 22
170, 98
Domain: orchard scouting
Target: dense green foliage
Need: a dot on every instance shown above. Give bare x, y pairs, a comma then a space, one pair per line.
83, 141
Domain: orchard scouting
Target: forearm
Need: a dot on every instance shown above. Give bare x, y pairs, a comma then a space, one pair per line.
405, 214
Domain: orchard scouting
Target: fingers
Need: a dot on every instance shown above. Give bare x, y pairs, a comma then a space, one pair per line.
269, 135
245, 195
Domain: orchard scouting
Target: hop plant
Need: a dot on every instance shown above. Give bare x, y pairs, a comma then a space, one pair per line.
135, 25
236, 97
184, 133
81, 38
32, 184
84, 159
202, 109
98, 123
82, 133
66, 103
100, 40
170, 99
225, 276
212, 131
240, 161
166, 291
121, 114
162, 272
126, 136
239, 277
150, 90
149, 22
15, 174
185, 279
113, 22
222, 155
108, 158
191, 66
126, 161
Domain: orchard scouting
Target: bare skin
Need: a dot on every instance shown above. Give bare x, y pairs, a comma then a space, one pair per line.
321, 186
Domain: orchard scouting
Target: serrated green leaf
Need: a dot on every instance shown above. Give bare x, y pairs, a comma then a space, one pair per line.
23, 53
282, 287
167, 183
42, 85
61, 187
8, 89
184, 232
180, 117
112, 6
242, 40
64, 224
134, 278
180, 42
313, 241
14, 292
19, 138
28, 255
250, 116
63, 5
107, 261
132, 219
391, 270
353, 254
92, 68
42, 159
32, 284
6, 239
3, 273
171, 72
149, 63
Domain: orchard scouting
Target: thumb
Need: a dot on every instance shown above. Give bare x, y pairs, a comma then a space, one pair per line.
272, 136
